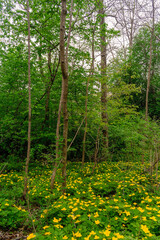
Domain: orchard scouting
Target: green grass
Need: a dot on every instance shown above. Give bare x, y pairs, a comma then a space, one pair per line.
116, 202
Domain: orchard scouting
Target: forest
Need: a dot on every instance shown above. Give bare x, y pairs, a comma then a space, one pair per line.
79, 119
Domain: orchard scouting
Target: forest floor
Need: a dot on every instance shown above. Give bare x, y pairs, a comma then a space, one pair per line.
117, 201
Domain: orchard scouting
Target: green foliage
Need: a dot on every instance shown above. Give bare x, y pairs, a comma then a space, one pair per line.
126, 82
11, 216
137, 69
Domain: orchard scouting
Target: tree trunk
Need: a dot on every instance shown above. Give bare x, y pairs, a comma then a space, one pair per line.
85, 129
65, 93
148, 78
65, 59
96, 152
150, 62
29, 106
58, 156
103, 82
86, 102
48, 89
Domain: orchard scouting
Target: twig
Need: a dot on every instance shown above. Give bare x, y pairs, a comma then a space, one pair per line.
27, 199
76, 134
3, 167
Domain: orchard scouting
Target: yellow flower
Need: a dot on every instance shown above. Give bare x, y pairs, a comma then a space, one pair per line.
45, 211
97, 222
145, 229
96, 237
92, 233
118, 235
77, 234
96, 214
65, 237
127, 213
150, 234
77, 221
45, 227
32, 235
74, 209
87, 238
55, 220
107, 232
6, 204
140, 209
115, 200
58, 226
153, 218
47, 233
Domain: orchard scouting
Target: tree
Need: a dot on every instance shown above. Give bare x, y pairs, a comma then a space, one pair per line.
64, 68
29, 108
58, 156
103, 74
150, 59
86, 100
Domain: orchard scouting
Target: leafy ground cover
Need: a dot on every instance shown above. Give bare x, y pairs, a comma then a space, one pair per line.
117, 201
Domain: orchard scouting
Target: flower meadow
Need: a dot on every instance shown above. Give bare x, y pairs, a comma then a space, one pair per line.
117, 201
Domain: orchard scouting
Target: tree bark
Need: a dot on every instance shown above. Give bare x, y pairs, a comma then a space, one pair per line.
29, 108
58, 156
103, 82
86, 101
48, 90
64, 93
65, 59
96, 152
150, 63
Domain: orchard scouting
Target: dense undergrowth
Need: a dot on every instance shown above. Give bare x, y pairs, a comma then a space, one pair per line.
117, 201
